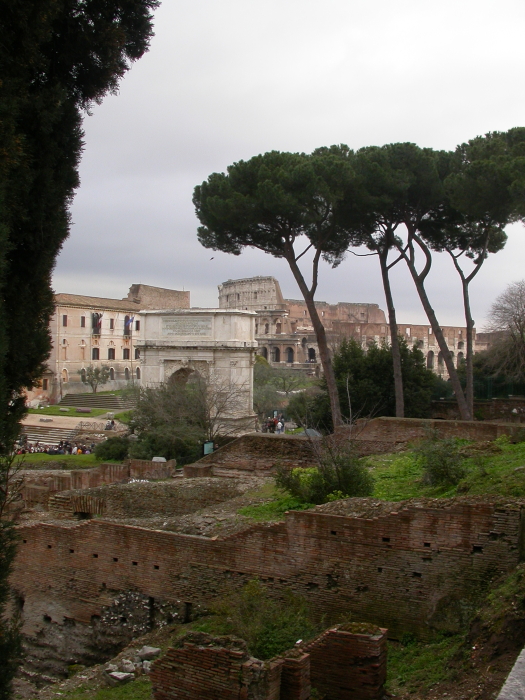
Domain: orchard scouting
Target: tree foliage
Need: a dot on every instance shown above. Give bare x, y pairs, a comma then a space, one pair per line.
365, 381
56, 59
273, 386
284, 204
95, 376
175, 418
10, 643
507, 321
115, 448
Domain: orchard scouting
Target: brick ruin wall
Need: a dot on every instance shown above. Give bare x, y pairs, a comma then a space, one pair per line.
254, 454
258, 454
40, 486
511, 409
176, 497
341, 664
203, 667
385, 434
412, 570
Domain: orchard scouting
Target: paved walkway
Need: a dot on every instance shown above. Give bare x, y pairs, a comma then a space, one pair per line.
68, 422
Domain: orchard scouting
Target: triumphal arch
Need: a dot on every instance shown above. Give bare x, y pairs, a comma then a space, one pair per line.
217, 344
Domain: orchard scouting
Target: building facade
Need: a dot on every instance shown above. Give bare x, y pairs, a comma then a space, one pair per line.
286, 337
98, 331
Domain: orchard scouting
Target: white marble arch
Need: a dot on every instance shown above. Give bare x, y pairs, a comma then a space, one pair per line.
218, 343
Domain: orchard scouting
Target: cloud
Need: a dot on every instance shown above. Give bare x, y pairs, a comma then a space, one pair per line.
225, 81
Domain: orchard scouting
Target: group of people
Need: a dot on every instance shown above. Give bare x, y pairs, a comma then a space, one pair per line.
274, 425
64, 447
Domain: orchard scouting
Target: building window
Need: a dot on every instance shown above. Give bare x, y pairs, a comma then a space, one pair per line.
96, 323
127, 325
137, 372
65, 378
64, 320
82, 321
264, 353
111, 324
137, 325
95, 354
137, 353
125, 354
126, 374
276, 355
45, 384
289, 355
112, 373
255, 296
407, 331
111, 353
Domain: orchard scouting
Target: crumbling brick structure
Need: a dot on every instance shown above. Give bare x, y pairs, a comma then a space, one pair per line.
214, 668
256, 454
39, 487
347, 662
410, 570
385, 434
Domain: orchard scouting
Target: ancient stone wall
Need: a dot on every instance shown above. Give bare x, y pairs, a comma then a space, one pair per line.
386, 434
256, 454
157, 297
348, 665
412, 569
139, 500
40, 486
511, 409
208, 667
342, 664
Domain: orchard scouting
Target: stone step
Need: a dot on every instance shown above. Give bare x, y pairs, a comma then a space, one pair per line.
107, 401
47, 434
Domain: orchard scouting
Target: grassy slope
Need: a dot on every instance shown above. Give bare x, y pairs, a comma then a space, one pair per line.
494, 470
72, 413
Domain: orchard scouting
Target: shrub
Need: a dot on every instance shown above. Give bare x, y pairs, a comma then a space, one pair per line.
162, 444
336, 476
116, 448
268, 626
441, 460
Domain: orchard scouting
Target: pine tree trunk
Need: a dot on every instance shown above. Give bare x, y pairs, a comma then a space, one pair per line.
470, 349
454, 379
394, 338
324, 352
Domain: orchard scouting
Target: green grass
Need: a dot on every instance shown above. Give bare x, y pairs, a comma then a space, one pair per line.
139, 689
415, 666
273, 510
72, 413
399, 476
66, 461
124, 416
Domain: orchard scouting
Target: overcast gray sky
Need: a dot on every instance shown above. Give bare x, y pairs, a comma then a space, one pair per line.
227, 79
